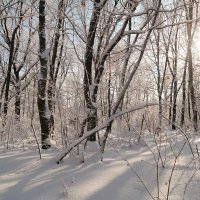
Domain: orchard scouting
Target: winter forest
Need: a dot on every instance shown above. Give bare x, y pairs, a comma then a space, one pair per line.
99, 99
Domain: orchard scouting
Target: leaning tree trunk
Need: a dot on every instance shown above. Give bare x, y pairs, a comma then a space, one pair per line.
42, 79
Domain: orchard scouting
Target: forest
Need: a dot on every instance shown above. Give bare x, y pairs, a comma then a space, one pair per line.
99, 96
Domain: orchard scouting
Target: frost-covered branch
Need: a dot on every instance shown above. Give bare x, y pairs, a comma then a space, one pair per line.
160, 27
28, 70
102, 126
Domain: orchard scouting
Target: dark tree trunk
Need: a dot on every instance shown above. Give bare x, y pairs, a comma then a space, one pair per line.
53, 71
1, 95
17, 102
8, 76
184, 93
189, 106
91, 98
170, 103
87, 81
17, 94
174, 105
41, 100
175, 91
17, 71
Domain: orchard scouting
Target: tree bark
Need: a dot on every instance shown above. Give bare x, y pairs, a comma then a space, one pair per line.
87, 81
42, 79
17, 102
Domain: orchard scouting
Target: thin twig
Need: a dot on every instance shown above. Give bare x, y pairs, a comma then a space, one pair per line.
32, 126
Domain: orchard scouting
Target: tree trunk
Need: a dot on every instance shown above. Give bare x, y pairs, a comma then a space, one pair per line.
190, 67
17, 102
175, 91
170, 102
87, 81
53, 71
42, 79
1, 95
184, 93
159, 79
8, 76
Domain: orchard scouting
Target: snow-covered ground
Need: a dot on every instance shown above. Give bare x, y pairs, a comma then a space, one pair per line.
128, 171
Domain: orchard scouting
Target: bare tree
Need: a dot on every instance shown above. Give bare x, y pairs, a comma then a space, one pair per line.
11, 41
91, 87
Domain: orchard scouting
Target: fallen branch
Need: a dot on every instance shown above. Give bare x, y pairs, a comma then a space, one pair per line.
102, 126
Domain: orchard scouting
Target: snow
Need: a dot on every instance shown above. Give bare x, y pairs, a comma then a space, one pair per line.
127, 172
92, 146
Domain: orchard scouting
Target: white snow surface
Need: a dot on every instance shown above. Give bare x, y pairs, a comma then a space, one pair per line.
24, 177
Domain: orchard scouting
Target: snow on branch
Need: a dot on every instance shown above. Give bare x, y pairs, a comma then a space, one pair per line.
102, 126
147, 11
176, 24
159, 27
28, 70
